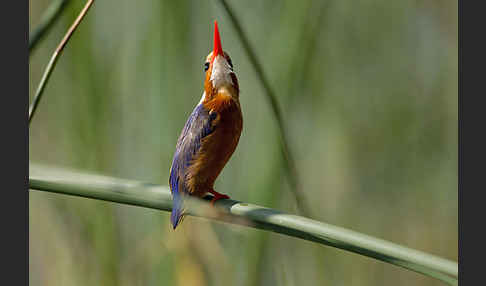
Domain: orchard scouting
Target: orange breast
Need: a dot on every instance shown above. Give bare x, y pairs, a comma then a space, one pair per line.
217, 148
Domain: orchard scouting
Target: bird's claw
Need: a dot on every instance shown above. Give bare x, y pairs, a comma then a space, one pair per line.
217, 196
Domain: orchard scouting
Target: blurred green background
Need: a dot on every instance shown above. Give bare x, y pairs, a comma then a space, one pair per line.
369, 93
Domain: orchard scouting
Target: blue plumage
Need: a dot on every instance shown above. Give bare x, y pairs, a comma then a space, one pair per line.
198, 126
210, 135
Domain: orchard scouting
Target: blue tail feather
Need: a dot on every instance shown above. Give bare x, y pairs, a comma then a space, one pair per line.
177, 210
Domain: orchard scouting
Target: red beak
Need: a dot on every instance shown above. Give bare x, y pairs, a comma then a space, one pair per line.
217, 50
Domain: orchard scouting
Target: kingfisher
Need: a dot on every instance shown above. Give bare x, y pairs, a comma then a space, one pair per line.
210, 135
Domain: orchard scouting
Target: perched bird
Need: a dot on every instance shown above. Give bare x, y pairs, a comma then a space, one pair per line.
210, 135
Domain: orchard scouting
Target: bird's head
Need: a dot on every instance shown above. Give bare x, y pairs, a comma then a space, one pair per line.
219, 70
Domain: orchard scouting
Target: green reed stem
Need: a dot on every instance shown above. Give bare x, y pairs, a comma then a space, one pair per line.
159, 197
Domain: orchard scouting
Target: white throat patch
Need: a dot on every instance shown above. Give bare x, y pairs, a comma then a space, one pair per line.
220, 74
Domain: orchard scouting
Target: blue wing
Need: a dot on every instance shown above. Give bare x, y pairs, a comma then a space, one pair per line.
198, 126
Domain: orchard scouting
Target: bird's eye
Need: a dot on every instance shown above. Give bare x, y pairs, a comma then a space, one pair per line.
230, 63
206, 66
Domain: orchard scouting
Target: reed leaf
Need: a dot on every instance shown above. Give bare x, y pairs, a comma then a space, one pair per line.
152, 196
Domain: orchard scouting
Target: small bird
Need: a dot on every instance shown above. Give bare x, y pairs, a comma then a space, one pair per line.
210, 135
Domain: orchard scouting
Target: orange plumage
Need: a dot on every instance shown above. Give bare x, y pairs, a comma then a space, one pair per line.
216, 148
210, 135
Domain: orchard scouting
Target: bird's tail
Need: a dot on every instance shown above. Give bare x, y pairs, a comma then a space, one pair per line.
177, 214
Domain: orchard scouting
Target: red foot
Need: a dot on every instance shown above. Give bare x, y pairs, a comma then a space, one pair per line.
217, 196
